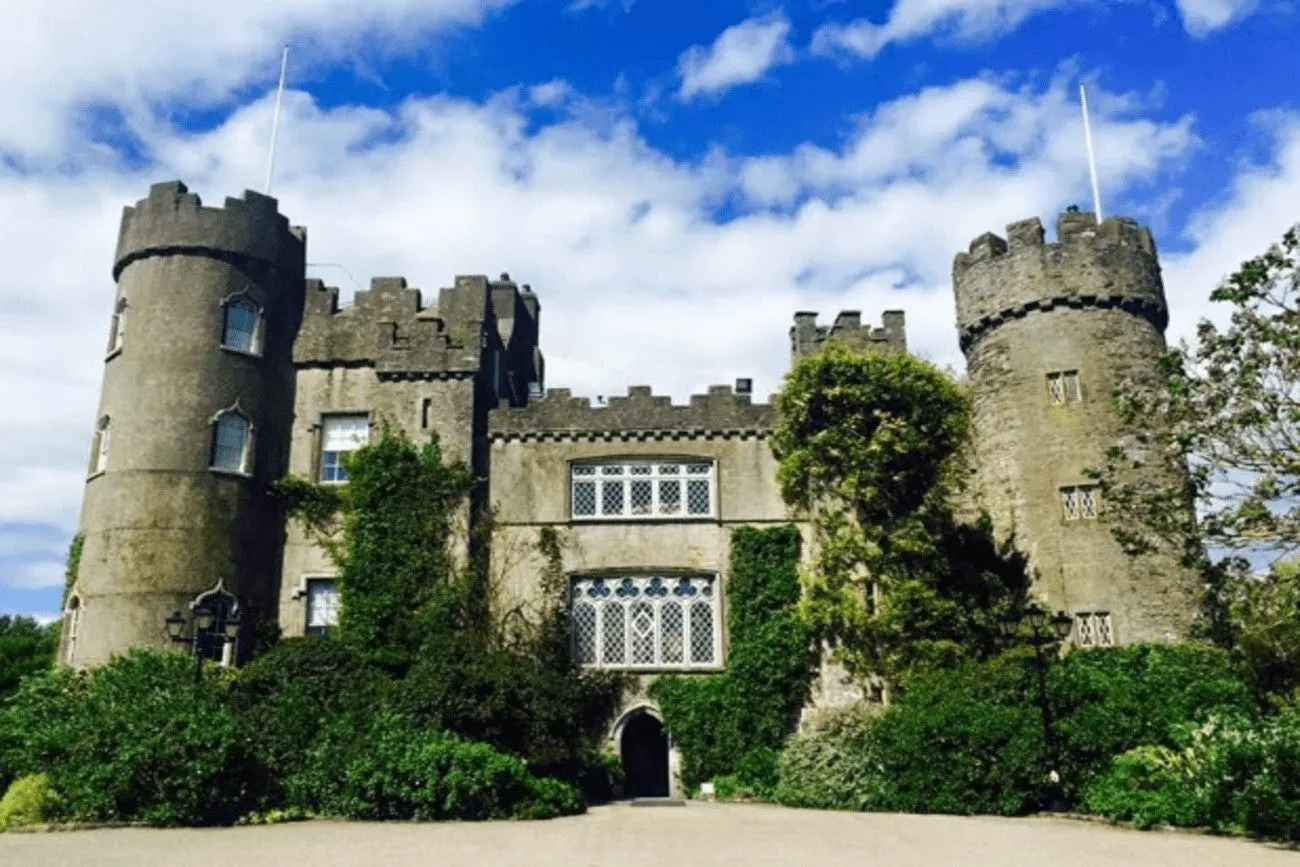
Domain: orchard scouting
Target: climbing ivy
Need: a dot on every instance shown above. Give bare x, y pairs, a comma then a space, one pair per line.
73, 564
730, 726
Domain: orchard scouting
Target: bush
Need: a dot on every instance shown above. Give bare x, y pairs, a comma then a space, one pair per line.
1108, 701
134, 740
834, 766
386, 767
25, 802
733, 724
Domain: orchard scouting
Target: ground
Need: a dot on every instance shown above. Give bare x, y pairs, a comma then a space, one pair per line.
631, 836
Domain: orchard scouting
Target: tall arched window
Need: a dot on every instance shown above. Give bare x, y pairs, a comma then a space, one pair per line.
243, 326
232, 441
99, 447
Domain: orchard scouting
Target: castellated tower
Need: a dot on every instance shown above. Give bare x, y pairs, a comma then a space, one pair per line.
194, 420
1049, 331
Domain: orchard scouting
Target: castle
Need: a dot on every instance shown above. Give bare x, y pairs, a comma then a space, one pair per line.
227, 369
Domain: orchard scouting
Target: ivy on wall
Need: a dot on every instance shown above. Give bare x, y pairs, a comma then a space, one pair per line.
730, 726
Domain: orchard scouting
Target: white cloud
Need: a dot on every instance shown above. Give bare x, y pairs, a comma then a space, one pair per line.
967, 20
741, 54
60, 57
1202, 17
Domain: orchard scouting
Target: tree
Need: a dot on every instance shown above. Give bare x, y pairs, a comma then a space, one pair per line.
872, 447
26, 647
1220, 427
1264, 612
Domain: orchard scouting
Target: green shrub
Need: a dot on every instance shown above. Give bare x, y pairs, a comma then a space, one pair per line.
834, 766
384, 766
134, 740
1152, 786
25, 802
736, 722
1267, 802
1108, 701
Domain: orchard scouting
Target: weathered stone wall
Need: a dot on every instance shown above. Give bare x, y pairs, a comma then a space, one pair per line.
160, 526
1092, 303
807, 337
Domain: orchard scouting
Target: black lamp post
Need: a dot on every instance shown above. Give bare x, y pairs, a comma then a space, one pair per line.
1044, 629
209, 625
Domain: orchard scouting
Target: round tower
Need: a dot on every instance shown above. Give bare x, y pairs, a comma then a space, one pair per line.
193, 422
1049, 331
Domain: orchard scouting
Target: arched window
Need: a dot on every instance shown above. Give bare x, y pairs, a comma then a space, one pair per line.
243, 326
212, 640
645, 621
232, 442
71, 625
117, 327
99, 447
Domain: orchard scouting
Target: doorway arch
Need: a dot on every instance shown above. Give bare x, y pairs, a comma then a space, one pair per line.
643, 749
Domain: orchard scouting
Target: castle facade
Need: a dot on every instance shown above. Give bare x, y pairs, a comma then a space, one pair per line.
227, 369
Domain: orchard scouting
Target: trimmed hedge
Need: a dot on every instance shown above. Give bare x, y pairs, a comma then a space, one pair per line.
25, 802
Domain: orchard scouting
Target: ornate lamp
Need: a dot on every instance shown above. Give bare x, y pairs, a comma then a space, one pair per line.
175, 626
1062, 625
1036, 618
203, 618
1009, 624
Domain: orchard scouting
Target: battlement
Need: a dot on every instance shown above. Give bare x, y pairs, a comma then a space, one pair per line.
1112, 265
172, 220
640, 415
807, 337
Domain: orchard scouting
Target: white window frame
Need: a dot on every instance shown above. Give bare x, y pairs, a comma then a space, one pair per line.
117, 328
259, 322
308, 584
246, 456
334, 468
1063, 387
596, 477
99, 446
1080, 502
1094, 629
632, 594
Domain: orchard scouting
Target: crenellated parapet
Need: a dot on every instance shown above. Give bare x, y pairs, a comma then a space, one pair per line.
173, 221
640, 415
807, 337
1111, 266
390, 328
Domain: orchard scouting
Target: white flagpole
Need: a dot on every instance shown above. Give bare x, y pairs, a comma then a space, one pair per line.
1092, 157
275, 120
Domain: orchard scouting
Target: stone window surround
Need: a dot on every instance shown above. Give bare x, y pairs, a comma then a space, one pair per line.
250, 438
642, 459
669, 575
1080, 501
1094, 629
1064, 387
99, 446
258, 337
116, 330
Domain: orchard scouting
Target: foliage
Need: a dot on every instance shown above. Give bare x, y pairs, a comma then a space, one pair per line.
834, 766
733, 723
872, 446
26, 648
1264, 613
25, 802
385, 766
1218, 427
136, 739
73, 567
1229, 774
1110, 700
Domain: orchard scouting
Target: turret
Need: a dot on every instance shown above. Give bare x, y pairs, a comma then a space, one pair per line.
1049, 330
193, 422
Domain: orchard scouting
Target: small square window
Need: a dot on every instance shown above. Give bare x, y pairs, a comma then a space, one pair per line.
1063, 387
1080, 502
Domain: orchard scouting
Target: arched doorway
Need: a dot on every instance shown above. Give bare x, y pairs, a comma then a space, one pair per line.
644, 749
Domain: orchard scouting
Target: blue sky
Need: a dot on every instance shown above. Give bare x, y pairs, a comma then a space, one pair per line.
674, 178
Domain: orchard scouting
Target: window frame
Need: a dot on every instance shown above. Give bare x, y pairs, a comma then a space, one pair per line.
256, 337
100, 443
668, 581
308, 582
604, 471
325, 420
1080, 502
116, 330
246, 457
1064, 387
1094, 629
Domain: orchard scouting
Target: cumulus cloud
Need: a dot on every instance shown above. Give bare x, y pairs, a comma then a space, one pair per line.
966, 20
1202, 17
741, 54
69, 63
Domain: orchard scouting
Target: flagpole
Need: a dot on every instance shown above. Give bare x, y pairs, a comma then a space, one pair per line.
1092, 157
275, 119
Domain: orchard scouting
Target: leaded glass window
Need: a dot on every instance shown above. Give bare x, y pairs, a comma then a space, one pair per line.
645, 622
231, 438
1094, 629
243, 326
644, 490
322, 606
341, 434
1080, 502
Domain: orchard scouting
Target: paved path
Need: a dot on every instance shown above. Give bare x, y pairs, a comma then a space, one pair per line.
625, 836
